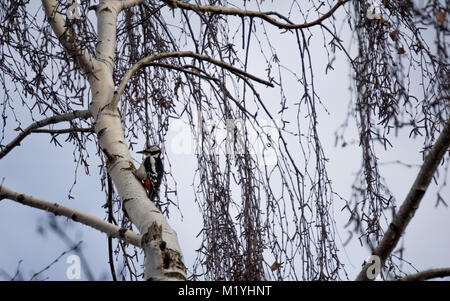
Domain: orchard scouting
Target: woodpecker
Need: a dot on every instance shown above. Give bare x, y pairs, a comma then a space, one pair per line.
151, 170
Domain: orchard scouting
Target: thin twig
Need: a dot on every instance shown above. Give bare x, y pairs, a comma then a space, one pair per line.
84, 114
56, 260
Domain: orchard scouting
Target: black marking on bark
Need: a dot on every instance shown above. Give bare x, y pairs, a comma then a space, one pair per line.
175, 275
108, 155
122, 232
144, 239
166, 260
162, 245
101, 132
105, 9
155, 231
112, 115
126, 200
393, 227
20, 198
125, 213
420, 192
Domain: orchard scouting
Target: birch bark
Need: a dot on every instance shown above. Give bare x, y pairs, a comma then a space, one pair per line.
163, 256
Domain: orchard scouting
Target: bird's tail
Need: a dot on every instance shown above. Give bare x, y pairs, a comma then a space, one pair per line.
153, 195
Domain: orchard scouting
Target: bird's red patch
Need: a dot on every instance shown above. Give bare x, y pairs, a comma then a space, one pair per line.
147, 183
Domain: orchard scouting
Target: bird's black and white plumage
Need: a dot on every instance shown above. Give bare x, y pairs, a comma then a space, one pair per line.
151, 170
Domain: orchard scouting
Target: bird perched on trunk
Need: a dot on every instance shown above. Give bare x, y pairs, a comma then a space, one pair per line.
151, 170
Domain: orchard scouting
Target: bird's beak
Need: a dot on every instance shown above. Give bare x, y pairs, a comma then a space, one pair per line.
141, 152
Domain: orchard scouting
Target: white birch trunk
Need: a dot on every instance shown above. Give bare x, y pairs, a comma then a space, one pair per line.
163, 256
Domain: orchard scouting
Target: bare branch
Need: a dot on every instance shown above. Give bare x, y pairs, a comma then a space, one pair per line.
64, 131
130, 3
412, 201
77, 216
84, 114
34, 277
246, 13
184, 70
428, 274
149, 59
58, 25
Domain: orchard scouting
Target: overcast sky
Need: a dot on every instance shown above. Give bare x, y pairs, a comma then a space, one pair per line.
42, 170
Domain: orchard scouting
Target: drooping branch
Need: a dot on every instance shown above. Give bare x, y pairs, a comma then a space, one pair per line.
149, 59
412, 201
428, 274
59, 27
76, 215
255, 14
84, 114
